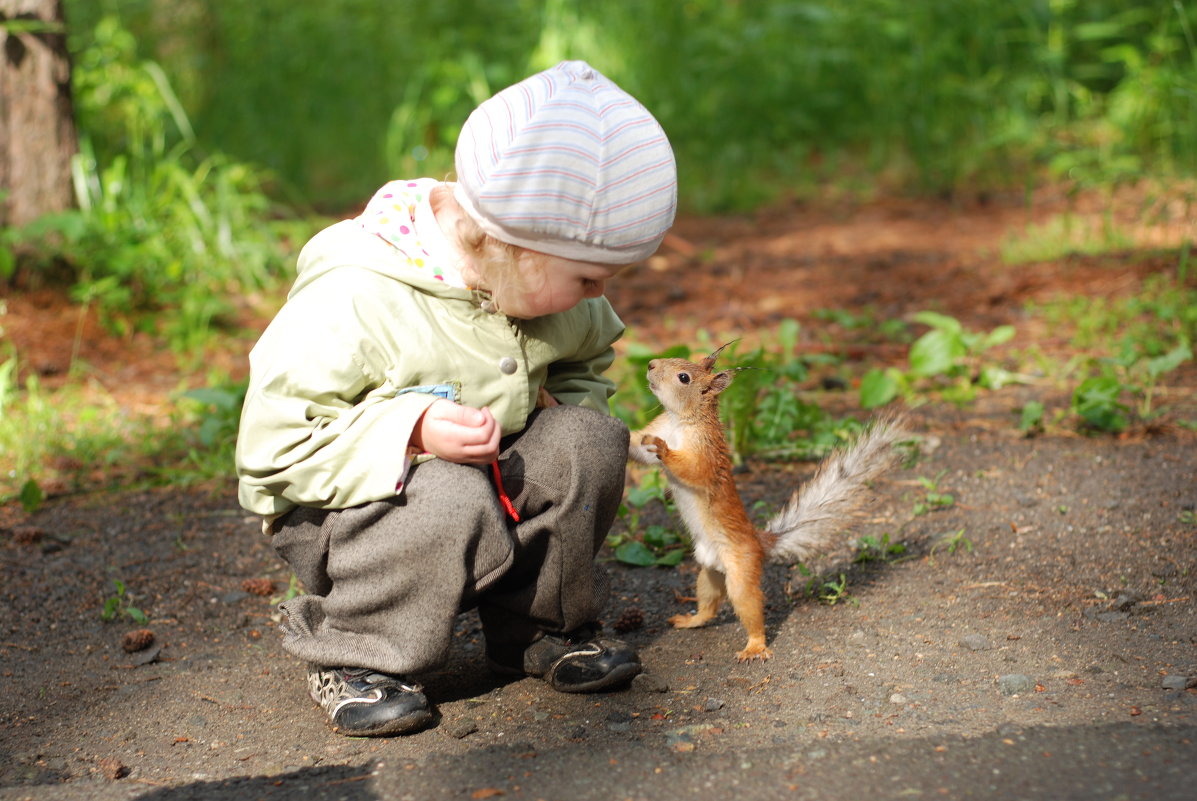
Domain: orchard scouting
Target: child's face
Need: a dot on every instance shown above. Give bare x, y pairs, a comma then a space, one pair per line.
549, 284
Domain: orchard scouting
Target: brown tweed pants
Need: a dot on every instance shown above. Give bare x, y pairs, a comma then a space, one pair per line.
387, 579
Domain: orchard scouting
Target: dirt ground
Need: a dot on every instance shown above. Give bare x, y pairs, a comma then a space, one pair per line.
1037, 639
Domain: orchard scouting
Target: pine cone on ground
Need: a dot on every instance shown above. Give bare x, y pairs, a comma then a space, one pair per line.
137, 640
631, 619
258, 586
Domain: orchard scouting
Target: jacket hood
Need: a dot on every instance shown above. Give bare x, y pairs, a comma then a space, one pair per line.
397, 236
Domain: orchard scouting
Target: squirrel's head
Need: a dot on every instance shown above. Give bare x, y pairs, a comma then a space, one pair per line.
684, 386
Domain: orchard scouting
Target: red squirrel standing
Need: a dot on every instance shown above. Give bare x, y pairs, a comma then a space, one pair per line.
687, 440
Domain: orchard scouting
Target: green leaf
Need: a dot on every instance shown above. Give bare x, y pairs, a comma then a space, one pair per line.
1169, 361
31, 496
1097, 401
993, 377
672, 558
223, 399
635, 553
941, 322
638, 496
935, 353
659, 537
877, 388
111, 607
998, 336
787, 335
1031, 417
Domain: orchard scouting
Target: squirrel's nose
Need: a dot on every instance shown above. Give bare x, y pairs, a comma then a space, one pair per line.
652, 365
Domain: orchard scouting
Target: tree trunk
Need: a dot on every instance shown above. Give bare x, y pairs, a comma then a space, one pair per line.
37, 131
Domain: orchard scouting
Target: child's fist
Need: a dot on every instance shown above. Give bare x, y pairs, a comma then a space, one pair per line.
458, 433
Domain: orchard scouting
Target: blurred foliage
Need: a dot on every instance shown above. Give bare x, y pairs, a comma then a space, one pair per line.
159, 224
759, 98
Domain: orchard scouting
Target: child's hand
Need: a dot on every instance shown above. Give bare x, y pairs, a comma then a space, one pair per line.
455, 433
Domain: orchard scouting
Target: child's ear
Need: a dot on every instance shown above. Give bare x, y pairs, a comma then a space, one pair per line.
721, 381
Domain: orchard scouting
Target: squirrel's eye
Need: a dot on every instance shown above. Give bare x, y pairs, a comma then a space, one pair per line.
683, 377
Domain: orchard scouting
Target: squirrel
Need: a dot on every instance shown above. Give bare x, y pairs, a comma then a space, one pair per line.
687, 440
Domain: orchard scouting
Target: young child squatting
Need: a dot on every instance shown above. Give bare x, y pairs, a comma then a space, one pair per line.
426, 428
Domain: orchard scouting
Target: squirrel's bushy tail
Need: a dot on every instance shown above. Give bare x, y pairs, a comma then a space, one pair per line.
819, 510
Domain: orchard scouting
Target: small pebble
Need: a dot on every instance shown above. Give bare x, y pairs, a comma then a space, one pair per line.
898, 698
147, 656
1178, 682
975, 642
649, 683
459, 729
1014, 683
113, 769
1124, 602
712, 705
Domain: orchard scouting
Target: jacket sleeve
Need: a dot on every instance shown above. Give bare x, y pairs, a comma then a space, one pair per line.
320, 425
579, 380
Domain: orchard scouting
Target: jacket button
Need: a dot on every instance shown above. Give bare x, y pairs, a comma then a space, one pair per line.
507, 365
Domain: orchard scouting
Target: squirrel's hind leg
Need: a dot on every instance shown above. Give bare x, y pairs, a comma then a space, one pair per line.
711, 589
747, 598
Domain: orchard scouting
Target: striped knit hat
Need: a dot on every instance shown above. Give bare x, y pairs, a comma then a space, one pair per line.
567, 163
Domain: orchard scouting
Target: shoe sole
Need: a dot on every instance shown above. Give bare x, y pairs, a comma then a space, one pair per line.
618, 676
407, 724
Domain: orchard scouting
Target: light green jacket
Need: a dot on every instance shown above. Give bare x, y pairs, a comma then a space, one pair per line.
364, 345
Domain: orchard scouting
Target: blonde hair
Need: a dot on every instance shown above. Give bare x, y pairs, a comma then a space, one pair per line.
496, 261
501, 266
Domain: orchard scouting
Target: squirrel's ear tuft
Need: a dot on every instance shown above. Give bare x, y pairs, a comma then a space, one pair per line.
709, 361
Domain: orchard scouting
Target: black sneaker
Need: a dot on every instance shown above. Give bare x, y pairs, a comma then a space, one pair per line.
365, 703
577, 662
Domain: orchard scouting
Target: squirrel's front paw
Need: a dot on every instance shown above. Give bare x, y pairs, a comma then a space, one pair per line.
654, 445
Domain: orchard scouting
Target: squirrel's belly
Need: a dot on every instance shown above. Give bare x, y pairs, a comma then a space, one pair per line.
706, 535
707, 555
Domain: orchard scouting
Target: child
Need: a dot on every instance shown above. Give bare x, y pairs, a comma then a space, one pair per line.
426, 428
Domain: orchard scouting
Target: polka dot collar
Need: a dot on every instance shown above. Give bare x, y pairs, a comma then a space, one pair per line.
400, 213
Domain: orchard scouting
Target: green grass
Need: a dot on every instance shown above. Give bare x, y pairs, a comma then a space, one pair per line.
1063, 235
78, 437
